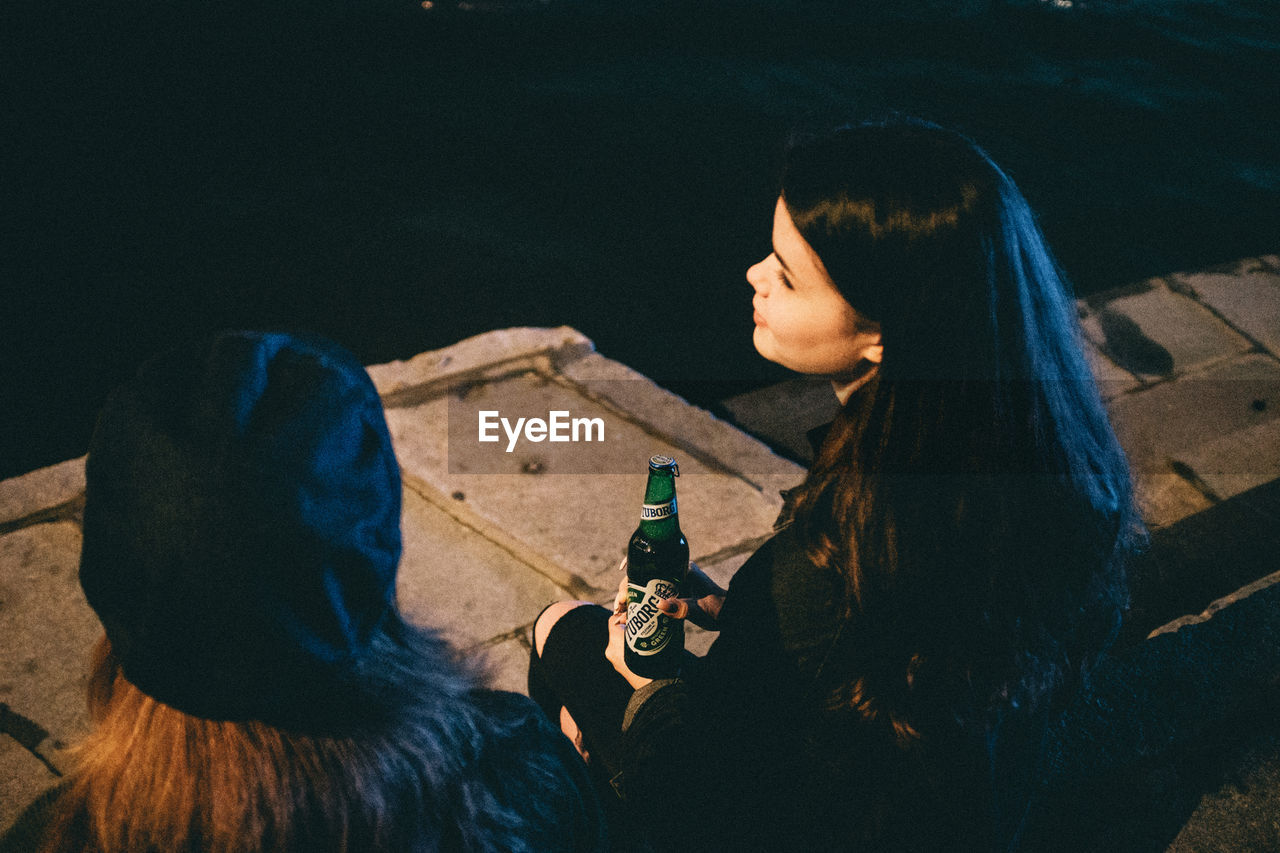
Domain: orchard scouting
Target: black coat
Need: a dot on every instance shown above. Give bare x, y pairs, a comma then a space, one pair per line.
739, 755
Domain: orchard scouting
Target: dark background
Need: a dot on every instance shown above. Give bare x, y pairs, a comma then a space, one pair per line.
400, 178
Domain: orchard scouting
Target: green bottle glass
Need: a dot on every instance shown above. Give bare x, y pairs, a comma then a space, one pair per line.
657, 565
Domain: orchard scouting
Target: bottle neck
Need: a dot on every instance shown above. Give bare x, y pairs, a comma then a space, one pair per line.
659, 518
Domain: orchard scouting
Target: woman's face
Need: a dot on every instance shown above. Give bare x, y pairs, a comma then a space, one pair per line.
802, 321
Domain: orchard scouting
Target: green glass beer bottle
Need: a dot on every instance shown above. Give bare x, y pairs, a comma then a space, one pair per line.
657, 564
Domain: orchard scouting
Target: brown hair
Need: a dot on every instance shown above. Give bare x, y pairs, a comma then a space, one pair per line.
150, 777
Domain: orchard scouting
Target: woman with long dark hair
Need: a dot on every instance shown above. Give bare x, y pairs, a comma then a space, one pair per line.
257, 688
946, 575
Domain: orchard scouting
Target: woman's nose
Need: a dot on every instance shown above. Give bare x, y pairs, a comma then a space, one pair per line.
757, 278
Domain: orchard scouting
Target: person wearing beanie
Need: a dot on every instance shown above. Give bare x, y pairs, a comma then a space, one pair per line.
257, 688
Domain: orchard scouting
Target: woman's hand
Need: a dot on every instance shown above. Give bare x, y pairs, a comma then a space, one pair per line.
702, 608
613, 652
702, 605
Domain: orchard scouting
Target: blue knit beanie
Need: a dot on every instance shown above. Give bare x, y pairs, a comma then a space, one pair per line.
242, 525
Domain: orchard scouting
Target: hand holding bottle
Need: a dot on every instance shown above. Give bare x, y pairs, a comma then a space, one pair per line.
615, 652
701, 606
701, 603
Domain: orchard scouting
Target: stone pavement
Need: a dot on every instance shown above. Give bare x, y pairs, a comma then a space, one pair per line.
496, 529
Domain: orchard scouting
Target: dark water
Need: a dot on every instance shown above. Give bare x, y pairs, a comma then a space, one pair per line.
400, 179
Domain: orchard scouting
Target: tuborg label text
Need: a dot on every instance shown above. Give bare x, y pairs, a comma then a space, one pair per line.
648, 628
656, 512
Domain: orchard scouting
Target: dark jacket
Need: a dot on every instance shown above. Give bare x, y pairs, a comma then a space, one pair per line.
739, 755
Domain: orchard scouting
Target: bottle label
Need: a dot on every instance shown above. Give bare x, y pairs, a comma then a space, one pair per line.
656, 512
648, 628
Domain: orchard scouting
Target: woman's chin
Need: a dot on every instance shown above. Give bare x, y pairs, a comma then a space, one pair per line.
760, 340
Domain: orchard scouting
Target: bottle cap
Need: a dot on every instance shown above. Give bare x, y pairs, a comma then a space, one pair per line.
659, 462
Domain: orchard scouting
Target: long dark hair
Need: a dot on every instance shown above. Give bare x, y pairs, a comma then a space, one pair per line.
974, 497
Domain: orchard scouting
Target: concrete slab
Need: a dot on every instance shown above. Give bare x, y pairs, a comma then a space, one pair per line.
1243, 813
492, 353
697, 640
570, 519
1217, 605
694, 429
40, 490
1161, 423
1237, 461
1164, 499
1224, 553
454, 579
48, 634
1177, 738
1248, 299
23, 777
582, 436
507, 664
1112, 379
782, 414
1154, 332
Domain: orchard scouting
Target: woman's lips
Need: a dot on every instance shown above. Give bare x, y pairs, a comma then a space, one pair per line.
759, 320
